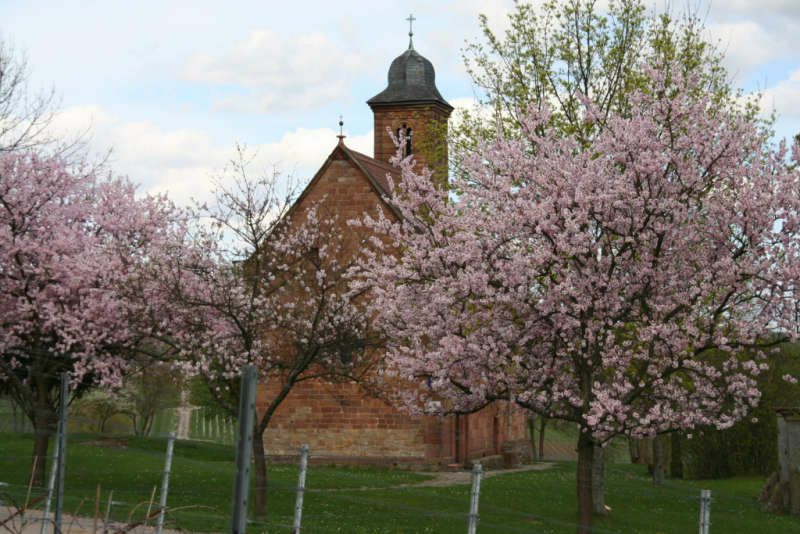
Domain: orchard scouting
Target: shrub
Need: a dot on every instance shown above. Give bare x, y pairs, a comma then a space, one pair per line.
750, 446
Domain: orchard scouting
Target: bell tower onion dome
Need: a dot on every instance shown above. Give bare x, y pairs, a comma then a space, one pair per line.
411, 80
412, 108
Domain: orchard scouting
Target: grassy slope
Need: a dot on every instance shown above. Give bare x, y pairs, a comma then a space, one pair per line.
336, 502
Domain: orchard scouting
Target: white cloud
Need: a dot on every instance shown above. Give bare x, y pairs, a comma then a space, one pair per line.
747, 45
784, 97
179, 161
779, 8
276, 72
754, 34
473, 108
463, 102
182, 162
261, 102
496, 12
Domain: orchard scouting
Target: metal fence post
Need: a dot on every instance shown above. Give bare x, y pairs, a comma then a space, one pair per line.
705, 511
474, 497
51, 482
244, 446
62, 451
301, 489
162, 500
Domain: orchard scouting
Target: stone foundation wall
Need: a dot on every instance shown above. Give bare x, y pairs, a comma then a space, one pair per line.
343, 425
338, 420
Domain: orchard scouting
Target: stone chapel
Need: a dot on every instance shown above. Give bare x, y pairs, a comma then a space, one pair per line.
340, 422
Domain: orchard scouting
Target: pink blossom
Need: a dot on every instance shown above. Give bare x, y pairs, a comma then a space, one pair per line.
595, 285
73, 249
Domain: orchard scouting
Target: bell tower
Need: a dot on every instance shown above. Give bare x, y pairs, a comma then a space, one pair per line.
412, 109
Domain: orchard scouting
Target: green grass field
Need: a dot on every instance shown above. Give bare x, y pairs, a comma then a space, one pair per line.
373, 500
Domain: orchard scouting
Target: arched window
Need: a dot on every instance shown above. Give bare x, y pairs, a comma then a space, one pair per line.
404, 134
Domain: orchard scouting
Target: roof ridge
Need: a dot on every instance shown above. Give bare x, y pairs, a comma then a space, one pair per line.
375, 161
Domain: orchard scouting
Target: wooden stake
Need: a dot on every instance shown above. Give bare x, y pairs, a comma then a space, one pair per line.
108, 511
75, 516
30, 482
150, 505
96, 510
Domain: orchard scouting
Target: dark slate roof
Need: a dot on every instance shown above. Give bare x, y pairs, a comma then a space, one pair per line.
411, 79
377, 171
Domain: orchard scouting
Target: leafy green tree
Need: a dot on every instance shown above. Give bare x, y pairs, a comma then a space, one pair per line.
200, 395
748, 447
555, 54
99, 407
152, 389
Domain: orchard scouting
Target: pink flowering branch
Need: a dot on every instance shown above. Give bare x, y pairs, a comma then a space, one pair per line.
262, 283
614, 283
72, 246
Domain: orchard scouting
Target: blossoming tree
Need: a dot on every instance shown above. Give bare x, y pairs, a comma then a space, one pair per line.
612, 283
71, 247
263, 284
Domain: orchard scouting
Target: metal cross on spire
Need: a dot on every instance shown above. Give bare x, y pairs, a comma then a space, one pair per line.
411, 20
341, 135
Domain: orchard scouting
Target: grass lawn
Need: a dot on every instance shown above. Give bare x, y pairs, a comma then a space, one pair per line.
373, 500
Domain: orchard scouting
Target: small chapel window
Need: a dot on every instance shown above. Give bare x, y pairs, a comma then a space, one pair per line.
404, 134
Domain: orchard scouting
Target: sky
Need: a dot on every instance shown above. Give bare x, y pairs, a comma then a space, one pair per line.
170, 86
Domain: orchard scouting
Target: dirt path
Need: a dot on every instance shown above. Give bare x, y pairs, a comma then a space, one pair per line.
442, 479
31, 523
454, 478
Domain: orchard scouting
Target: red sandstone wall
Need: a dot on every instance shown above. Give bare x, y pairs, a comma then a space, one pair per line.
429, 126
343, 424
492, 426
344, 191
338, 421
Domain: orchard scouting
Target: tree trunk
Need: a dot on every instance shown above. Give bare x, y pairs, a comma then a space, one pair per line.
645, 446
148, 424
18, 425
598, 481
542, 424
658, 460
633, 450
676, 458
44, 422
532, 434
260, 460
585, 455
104, 422
137, 425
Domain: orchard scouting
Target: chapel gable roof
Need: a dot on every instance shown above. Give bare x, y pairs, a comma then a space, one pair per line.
374, 171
